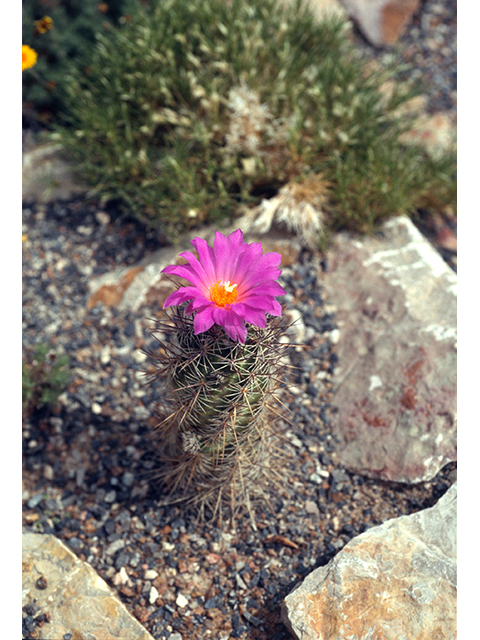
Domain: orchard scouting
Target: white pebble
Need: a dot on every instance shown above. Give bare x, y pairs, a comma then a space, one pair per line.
139, 356
96, 408
121, 577
150, 574
105, 355
334, 336
48, 472
181, 601
153, 595
102, 217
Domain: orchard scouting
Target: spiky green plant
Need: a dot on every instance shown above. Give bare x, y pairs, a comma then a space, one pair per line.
194, 110
216, 443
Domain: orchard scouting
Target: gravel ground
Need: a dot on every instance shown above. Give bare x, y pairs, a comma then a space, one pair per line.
429, 44
88, 462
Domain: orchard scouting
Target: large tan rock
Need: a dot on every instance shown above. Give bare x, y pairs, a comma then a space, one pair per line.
396, 581
78, 601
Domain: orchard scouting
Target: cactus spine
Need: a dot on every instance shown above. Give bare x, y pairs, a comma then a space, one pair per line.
214, 442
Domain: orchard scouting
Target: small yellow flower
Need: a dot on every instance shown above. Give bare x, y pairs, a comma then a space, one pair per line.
24, 237
29, 57
43, 25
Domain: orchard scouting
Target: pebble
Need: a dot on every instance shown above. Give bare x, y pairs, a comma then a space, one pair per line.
96, 408
128, 479
153, 595
35, 500
150, 574
181, 601
48, 472
115, 546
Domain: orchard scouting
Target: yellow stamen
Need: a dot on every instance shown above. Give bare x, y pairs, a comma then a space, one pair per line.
222, 292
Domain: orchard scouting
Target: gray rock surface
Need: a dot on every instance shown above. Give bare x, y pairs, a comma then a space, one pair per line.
78, 600
395, 394
396, 581
47, 176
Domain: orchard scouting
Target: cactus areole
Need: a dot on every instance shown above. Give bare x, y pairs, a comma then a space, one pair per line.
232, 283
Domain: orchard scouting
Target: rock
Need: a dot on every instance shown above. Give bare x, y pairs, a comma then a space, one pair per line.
47, 176
395, 390
395, 581
79, 602
382, 22
435, 133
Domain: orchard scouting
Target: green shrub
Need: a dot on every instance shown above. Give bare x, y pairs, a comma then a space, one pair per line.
194, 109
69, 41
44, 377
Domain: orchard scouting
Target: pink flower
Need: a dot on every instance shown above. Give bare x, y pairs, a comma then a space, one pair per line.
232, 283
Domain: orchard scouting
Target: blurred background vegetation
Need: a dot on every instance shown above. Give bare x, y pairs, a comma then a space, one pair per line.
187, 112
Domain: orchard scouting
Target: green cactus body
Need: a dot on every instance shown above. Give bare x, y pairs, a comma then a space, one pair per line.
214, 442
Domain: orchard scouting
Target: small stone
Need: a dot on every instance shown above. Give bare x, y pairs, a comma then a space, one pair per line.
105, 355
84, 230
128, 479
181, 601
48, 472
139, 356
35, 501
311, 507
41, 583
110, 497
150, 574
102, 217
121, 577
335, 336
96, 408
153, 595
114, 546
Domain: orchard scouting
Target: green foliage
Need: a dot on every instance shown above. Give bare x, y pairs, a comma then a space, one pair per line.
194, 109
214, 444
67, 44
44, 377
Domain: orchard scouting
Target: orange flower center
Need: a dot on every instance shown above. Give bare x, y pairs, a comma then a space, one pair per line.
222, 293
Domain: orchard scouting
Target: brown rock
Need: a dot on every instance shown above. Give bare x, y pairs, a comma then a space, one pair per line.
111, 294
381, 21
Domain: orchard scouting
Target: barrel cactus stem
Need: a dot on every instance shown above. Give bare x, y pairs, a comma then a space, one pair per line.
221, 360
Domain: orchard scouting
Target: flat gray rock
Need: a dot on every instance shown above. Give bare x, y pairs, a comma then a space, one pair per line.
78, 600
47, 176
395, 395
396, 581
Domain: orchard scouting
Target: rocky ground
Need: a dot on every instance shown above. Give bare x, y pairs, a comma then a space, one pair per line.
89, 461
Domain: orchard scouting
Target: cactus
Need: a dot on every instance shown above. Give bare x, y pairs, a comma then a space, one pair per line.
215, 442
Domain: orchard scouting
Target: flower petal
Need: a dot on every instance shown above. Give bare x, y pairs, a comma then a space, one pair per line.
206, 258
251, 315
203, 320
181, 295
